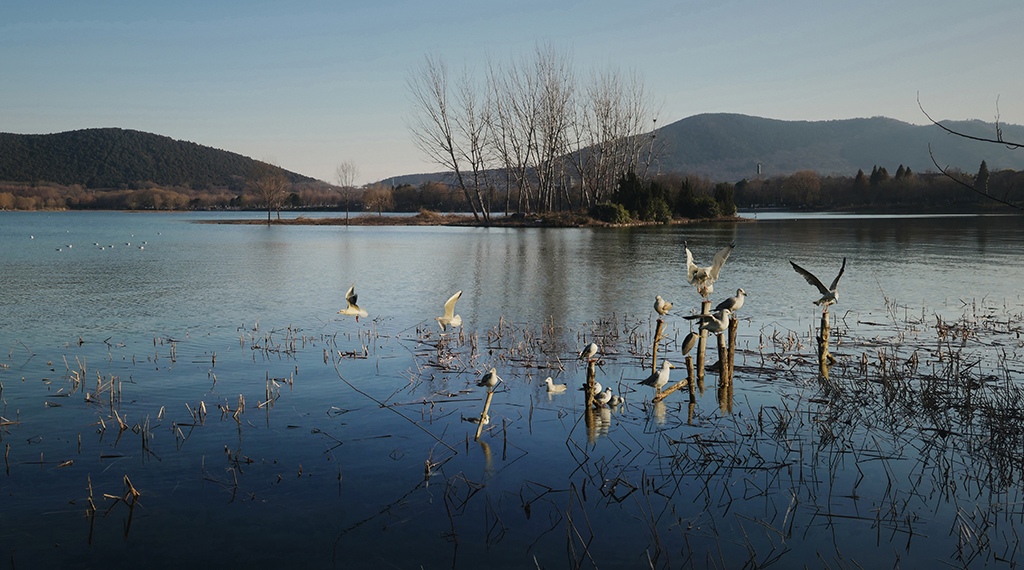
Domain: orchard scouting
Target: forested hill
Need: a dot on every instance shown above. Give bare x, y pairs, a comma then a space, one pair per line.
118, 158
728, 147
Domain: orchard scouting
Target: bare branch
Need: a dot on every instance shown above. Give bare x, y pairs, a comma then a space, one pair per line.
945, 172
997, 140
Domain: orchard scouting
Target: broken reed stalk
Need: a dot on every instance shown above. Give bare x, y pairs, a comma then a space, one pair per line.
688, 381
705, 308
484, 417
658, 333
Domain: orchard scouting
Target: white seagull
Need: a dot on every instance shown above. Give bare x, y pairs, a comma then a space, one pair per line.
703, 277
661, 306
603, 398
711, 322
352, 309
829, 295
449, 318
589, 351
597, 387
554, 388
489, 380
660, 378
733, 303
616, 401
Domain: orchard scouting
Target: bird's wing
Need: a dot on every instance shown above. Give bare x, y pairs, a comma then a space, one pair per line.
811, 278
691, 268
719, 260
835, 282
726, 304
350, 295
449, 305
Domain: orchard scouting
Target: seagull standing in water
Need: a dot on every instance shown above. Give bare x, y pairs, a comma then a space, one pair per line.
449, 318
352, 309
711, 322
554, 388
704, 277
589, 352
660, 378
661, 306
733, 303
829, 295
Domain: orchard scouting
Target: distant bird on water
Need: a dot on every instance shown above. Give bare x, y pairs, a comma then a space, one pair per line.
733, 303
554, 388
660, 378
449, 318
661, 306
713, 323
489, 380
589, 351
352, 309
829, 295
704, 277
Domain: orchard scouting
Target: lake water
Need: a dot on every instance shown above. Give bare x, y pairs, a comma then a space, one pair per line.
318, 430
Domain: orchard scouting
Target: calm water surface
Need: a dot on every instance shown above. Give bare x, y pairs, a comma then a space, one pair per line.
331, 472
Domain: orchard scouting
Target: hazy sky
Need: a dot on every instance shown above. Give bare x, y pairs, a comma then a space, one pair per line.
308, 85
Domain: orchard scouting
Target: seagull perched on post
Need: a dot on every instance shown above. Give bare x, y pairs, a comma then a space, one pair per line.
352, 309
712, 322
829, 295
661, 306
603, 398
489, 380
733, 303
589, 351
660, 378
449, 318
704, 277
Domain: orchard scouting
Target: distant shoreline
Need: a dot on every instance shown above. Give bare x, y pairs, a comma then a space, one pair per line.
426, 218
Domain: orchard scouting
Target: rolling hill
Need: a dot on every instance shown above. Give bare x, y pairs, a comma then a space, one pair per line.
116, 158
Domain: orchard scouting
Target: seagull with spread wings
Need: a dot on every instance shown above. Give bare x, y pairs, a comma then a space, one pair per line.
352, 310
704, 277
449, 318
830, 294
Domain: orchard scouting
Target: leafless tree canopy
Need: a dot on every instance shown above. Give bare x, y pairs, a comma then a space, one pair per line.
531, 129
270, 185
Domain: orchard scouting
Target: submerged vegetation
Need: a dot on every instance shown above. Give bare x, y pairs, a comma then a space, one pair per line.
908, 452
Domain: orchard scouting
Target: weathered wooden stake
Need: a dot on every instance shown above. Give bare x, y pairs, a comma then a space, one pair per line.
825, 358
723, 360
589, 393
705, 308
484, 415
658, 332
733, 326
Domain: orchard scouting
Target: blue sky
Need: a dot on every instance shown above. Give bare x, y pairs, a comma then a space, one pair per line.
308, 85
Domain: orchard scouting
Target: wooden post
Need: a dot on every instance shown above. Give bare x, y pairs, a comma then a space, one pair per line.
591, 380
733, 326
825, 358
484, 418
705, 308
723, 359
658, 332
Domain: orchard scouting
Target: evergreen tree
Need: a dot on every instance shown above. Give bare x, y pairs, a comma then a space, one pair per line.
981, 180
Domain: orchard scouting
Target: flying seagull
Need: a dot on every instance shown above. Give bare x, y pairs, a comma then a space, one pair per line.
661, 306
660, 378
704, 277
711, 322
554, 388
449, 318
352, 309
589, 352
829, 295
733, 303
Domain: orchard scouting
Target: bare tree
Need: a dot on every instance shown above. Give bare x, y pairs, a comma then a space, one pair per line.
952, 175
448, 130
346, 174
270, 185
379, 197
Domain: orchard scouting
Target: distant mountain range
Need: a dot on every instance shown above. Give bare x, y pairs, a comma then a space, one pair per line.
115, 158
728, 147
722, 147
